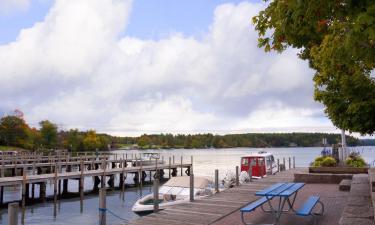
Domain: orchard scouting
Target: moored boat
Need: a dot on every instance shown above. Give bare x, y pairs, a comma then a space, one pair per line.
260, 163
147, 159
173, 192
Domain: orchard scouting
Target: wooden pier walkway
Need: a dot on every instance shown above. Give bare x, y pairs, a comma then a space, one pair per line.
29, 170
215, 207
17, 180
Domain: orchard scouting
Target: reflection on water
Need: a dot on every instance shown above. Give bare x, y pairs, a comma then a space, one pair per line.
205, 162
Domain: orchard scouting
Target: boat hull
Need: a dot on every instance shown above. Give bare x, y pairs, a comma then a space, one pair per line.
142, 209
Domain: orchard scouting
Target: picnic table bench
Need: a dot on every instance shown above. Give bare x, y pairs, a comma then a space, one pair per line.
286, 194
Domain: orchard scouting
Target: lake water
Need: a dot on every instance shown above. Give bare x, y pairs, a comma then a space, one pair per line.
205, 162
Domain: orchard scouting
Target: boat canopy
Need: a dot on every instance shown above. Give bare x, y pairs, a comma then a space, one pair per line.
258, 154
199, 182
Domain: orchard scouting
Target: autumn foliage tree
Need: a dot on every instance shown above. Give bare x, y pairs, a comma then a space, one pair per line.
13, 131
337, 38
91, 141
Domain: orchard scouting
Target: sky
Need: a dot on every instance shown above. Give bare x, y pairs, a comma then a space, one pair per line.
132, 67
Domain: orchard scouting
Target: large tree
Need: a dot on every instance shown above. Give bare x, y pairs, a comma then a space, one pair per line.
91, 141
48, 133
73, 140
337, 37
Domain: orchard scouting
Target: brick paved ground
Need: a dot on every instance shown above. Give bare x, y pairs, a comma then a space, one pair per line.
334, 202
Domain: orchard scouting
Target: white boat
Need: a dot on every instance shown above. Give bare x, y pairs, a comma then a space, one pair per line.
147, 158
173, 192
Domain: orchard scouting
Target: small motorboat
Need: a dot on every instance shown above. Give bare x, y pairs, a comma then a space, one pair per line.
261, 163
173, 192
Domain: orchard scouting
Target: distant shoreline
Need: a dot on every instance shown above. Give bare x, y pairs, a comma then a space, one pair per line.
145, 149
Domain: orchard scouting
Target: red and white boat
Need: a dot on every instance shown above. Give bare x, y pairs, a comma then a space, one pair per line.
261, 163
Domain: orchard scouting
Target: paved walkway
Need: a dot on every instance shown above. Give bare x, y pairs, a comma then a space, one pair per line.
359, 209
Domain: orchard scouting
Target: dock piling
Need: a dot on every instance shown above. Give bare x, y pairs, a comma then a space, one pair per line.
237, 177
181, 166
278, 165
169, 168
13, 213
102, 207
55, 186
24, 186
2, 168
81, 181
33, 191
217, 180
191, 186
140, 175
122, 179
1, 195
33, 167
42, 191
271, 169
250, 172
156, 187
191, 165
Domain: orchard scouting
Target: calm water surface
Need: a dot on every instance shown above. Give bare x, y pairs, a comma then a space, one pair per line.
205, 162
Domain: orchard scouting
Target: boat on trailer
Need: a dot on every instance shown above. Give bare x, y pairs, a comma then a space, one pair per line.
173, 192
261, 164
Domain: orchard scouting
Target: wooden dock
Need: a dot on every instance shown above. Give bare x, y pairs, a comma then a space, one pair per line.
29, 170
17, 180
215, 207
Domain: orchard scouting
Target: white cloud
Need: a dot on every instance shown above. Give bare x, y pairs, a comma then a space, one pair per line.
279, 117
10, 6
75, 70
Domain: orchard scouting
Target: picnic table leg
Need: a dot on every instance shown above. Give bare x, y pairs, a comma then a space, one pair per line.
291, 204
243, 219
280, 210
277, 212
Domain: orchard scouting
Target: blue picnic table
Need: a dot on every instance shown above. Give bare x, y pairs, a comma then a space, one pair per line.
284, 195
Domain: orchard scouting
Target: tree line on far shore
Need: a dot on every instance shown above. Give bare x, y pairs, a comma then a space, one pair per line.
256, 140
14, 131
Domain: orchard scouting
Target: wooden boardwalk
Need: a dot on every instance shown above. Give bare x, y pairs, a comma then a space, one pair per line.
17, 180
215, 207
59, 169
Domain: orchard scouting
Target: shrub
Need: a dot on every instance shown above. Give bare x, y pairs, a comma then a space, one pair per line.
329, 162
316, 164
324, 161
318, 161
355, 160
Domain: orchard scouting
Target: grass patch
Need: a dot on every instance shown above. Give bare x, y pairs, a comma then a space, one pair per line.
9, 148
